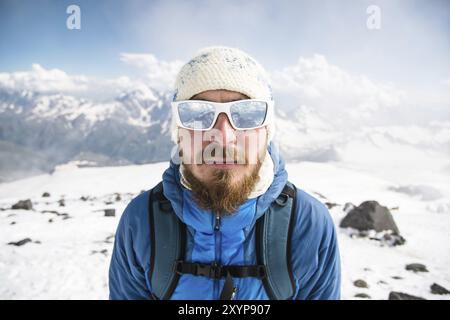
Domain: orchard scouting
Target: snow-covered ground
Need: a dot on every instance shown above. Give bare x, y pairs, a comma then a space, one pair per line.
71, 257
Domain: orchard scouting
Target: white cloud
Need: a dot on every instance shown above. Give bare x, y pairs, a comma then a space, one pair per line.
43, 80
152, 73
157, 73
316, 83
56, 81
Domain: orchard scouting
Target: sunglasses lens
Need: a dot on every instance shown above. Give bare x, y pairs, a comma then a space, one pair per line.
248, 114
196, 115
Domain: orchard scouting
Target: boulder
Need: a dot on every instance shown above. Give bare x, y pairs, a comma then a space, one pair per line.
20, 243
393, 239
437, 289
416, 267
45, 195
402, 296
370, 215
110, 212
23, 204
360, 284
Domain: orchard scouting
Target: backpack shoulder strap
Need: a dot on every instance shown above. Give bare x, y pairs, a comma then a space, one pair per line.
273, 244
167, 244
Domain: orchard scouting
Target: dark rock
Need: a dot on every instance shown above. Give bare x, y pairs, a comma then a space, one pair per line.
109, 239
362, 295
397, 278
108, 202
360, 284
13, 222
416, 267
23, 204
37, 241
118, 198
331, 205
20, 243
103, 251
50, 211
63, 215
370, 215
83, 198
45, 195
402, 296
382, 282
437, 289
62, 203
50, 220
110, 212
393, 239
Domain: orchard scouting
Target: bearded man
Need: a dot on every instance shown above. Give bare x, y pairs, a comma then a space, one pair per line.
224, 223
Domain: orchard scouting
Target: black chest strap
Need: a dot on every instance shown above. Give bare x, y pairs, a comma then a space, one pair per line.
216, 271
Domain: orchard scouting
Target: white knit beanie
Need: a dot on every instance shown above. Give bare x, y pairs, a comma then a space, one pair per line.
220, 67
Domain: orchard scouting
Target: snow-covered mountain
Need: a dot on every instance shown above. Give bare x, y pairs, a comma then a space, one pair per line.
55, 128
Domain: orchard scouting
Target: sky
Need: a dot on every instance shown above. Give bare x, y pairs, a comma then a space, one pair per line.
411, 47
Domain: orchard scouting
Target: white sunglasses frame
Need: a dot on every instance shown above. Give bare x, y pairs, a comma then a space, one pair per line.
223, 107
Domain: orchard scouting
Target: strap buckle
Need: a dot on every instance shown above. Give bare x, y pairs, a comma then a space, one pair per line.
262, 273
282, 199
177, 267
213, 270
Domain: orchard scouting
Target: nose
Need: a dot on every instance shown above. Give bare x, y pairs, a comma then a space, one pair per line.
228, 133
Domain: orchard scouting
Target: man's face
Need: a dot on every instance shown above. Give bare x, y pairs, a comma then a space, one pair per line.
229, 139
244, 148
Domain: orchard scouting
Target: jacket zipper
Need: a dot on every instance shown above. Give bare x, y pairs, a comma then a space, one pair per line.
217, 250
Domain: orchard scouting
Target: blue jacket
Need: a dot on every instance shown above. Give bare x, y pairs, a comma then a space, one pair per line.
315, 253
